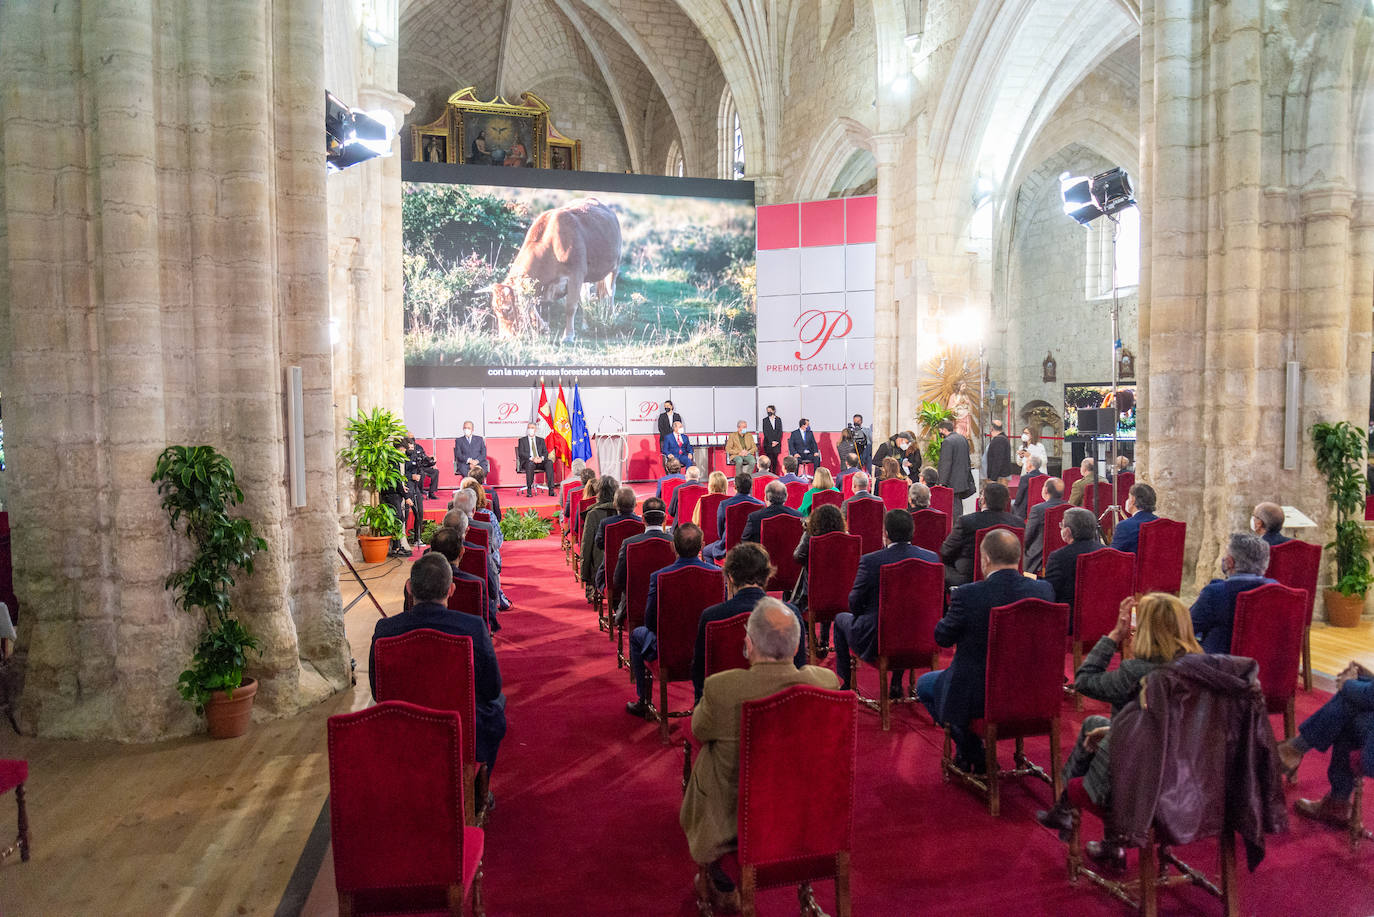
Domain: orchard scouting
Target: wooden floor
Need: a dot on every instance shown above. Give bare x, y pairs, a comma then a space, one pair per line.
198, 827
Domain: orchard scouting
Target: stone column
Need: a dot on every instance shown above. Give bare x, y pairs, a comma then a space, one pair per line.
886, 152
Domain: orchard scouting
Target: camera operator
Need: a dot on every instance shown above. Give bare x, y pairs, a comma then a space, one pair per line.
429, 474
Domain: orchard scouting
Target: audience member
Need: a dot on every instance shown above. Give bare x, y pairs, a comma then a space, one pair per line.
744, 486
930, 477
862, 490
822, 481
672, 471
449, 543
851, 467
1267, 522
741, 450
654, 517
765, 465
821, 522
624, 503
604, 506
917, 497
1079, 531
1031, 445
479, 474
495, 537
790, 468
957, 550
998, 458
895, 447
955, 471
802, 444
644, 639
776, 495
1031, 481
1053, 492
1344, 724
1243, 567
1080, 487
496, 599
716, 482
693, 476
1140, 507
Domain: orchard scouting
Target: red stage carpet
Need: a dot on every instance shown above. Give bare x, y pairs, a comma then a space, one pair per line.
587, 802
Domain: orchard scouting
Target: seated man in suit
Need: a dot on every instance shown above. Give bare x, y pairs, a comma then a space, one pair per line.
677, 445
532, 455
862, 492
851, 467
692, 476
1246, 560
469, 451
460, 522
957, 550
624, 501
954, 696
1140, 503
431, 581
1052, 489
790, 466
1079, 531
930, 476
644, 639
1080, 487
672, 471
802, 444
858, 627
449, 543
654, 517
744, 486
1267, 523
1343, 724
708, 816
747, 569
1030, 482
741, 450
776, 494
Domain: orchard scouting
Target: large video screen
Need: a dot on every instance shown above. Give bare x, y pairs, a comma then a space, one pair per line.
1099, 395
512, 275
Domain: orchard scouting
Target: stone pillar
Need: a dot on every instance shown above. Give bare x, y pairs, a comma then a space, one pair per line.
886, 152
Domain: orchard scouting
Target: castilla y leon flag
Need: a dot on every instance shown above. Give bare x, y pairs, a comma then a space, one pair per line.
543, 419
561, 439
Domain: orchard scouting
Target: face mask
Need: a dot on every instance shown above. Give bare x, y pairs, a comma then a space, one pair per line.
1025, 437
770, 413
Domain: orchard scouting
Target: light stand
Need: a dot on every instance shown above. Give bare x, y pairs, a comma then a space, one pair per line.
1116, 510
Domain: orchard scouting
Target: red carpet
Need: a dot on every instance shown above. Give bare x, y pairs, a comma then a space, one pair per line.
587, 802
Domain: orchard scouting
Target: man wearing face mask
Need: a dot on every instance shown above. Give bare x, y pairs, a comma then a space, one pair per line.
1215, 609
531, 456
771, 437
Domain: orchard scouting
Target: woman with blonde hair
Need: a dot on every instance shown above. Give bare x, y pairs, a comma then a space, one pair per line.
715, 484
1163, 631
823, 480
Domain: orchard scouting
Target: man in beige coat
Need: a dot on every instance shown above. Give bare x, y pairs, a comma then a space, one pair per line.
740, 448
708, 815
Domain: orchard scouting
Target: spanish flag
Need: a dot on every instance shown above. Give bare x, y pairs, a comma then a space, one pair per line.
560, 440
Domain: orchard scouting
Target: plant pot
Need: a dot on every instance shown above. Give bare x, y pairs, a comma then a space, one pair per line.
228, 717
374, 549
1343, 610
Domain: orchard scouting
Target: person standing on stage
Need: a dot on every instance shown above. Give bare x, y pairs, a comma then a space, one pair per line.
770, 437
666, 418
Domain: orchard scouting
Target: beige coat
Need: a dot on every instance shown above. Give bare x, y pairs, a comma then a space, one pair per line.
737, 444
708, 810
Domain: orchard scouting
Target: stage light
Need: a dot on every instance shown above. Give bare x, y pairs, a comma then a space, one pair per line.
1078, 198
1106, 193
352, 137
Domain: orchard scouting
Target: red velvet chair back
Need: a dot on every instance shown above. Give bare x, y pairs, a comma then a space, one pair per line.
580, 520
865, 519
761, 482
942, 499
978, 537
1036, 495
1123, 482
1369, 508
1025, 678
1052, 540
911, 601
735, 518
478, 536
1069, 476
431, 669
725, 644
642, 560
793, 820
893, 492
1101, 494
847, 486
1107, 524
931, 528
1268, 628
1102, 579
826, 498
708, 505
668, 487
396, 801
687, 497
482, 515
796, 490
779, 536
832, 562
469, 597
1297, 564
1159, 556
474, 560
682, 596
616, 533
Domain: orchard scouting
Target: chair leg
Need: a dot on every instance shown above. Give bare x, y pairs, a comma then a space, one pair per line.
24, 823
1230, 904
946, 758
663, 710
990, 765
1357, 829
1075, 855
843, 908
1290, 719
686, 764
1149, 876
1056, 778
884, 697
1307, 658
810, 637
748, 888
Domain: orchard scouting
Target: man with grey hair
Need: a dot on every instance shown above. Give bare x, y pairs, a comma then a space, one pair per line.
1267, 522
466, 500
776, 494
708, 814
461, 522
693, 477
917, 497
862, 491
1247, 557
1029, 483
1079, 531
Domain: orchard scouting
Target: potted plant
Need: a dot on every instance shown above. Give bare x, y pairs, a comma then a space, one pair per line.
1340, 457
376, 463
930, 415
197, 487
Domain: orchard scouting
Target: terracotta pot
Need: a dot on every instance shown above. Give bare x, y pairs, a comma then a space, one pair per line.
374, 549
228, 717
1343, 610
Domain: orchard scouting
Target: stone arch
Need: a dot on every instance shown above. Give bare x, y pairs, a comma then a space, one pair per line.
829, 154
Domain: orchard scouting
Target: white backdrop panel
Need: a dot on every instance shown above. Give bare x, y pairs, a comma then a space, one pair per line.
822, 269
824, 406
778, 317
778, 363
860, 263
698, 409
418, 412
776, 271
734, 405
642, 406
859, 363
859, 399
788, 402
860, 306
455, 405
602, 402
506, 411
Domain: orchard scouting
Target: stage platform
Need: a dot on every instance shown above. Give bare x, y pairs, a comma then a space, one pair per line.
514, 498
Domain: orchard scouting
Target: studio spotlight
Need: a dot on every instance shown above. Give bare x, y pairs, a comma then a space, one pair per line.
1105, 194
352, 137
1078, 198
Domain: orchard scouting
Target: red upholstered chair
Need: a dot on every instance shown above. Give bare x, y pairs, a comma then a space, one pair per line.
607, 599
482, 515
735, 518
1103, 578
682, 596
942, 499
832, 562
1070, 476
642, 559
893, 492
779, 536
1100, 496
687, 497
725, 644
847, 486
1268, 628
1297, 564
706, 509
474, 561
468, 597
579, 527
668, 488
479, 537
978, 537
1037, 493
796, 490
434, 670
911, 600
13, 775
796, 823
1024, 688
826, 498
1123, 483
396, 802
1159, 556
1052, 540
761, 481
865, 519
1107, 523
931, 528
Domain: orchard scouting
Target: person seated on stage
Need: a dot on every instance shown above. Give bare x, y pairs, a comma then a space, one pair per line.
624, 502
1031, 480
776, 495
1140, 509
744, 486
747, 568
1344, 724
691, 476
858, 627
741, 450
431, 582
496, 537
709, 807
1214, 611
954, 696
802, 444
1052, 491
917, 498
790, 466
531, 455
1080, 487
606, 486
677, 445
468, 451
1267, 522
460, 521
957, 550
672, 471
851, 467
644, 639
479, 474
1163, 633
821, 522
930, 476
1079, 531
655, 513
822, 481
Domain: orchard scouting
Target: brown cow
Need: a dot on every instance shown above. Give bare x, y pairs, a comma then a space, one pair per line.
566, 247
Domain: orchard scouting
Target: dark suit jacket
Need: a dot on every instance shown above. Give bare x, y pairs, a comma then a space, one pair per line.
742, 601
1061, 570
1215, 609
957, 551
954, 467
679, 449
1274, 538
770, 440
464, 450
999, 457
1126, 535
803, 447
622, 568
673, 504
1035, 532
522, 452
493, 577
1028, 485
859, 495
959, 689
600, 541
753, 526
863, 597
665, 423
726, 504
651, 605
494, 500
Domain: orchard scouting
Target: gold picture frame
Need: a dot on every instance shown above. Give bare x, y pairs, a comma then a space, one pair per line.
435, 138
497, 133
564, 151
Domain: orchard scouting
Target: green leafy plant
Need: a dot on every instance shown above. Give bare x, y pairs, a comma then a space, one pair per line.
427, 531
523, 527
1340, 457
930, 416
198, 488
375, 460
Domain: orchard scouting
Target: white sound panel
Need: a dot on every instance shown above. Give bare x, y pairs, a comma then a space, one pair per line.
777, 272
860, 264
418, 412
822, 269
698, 409
778, 317
788, 402
734, 405
642, 406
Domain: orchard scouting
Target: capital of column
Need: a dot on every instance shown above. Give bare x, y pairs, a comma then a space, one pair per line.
373, 97
887, 147
1326, 199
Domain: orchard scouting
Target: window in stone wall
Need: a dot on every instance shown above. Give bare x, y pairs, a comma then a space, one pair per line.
676, 165
737, 147
731, 138
1099, 261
